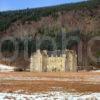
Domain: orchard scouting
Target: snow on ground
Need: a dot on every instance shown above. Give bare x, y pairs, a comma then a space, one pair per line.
5, 68
96, 71
50, 96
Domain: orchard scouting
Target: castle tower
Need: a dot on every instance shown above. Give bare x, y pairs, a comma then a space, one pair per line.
36, 62
44, 60
71, 61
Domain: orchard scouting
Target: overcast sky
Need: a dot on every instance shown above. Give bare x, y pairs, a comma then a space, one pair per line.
23, 4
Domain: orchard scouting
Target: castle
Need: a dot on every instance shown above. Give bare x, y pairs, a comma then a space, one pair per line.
54, 61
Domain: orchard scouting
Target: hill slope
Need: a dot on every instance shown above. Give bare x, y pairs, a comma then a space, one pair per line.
84, 16
79, 19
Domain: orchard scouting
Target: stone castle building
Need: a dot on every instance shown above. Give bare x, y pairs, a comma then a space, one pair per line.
55, 61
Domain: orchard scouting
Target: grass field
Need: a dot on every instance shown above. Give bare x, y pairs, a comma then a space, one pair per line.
42, 82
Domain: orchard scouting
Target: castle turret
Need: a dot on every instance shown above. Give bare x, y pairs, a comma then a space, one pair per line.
44, 60
71, 61
36, 62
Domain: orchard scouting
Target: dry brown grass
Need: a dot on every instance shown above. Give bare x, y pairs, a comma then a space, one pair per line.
50, 74
41, 86
47, 85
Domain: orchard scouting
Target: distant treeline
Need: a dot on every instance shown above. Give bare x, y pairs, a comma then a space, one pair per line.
8, 17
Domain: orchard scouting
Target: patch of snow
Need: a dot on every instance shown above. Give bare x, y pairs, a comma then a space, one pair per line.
96, 71
5, 68
50, 96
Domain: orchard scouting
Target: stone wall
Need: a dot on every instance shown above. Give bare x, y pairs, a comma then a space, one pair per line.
56, 64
